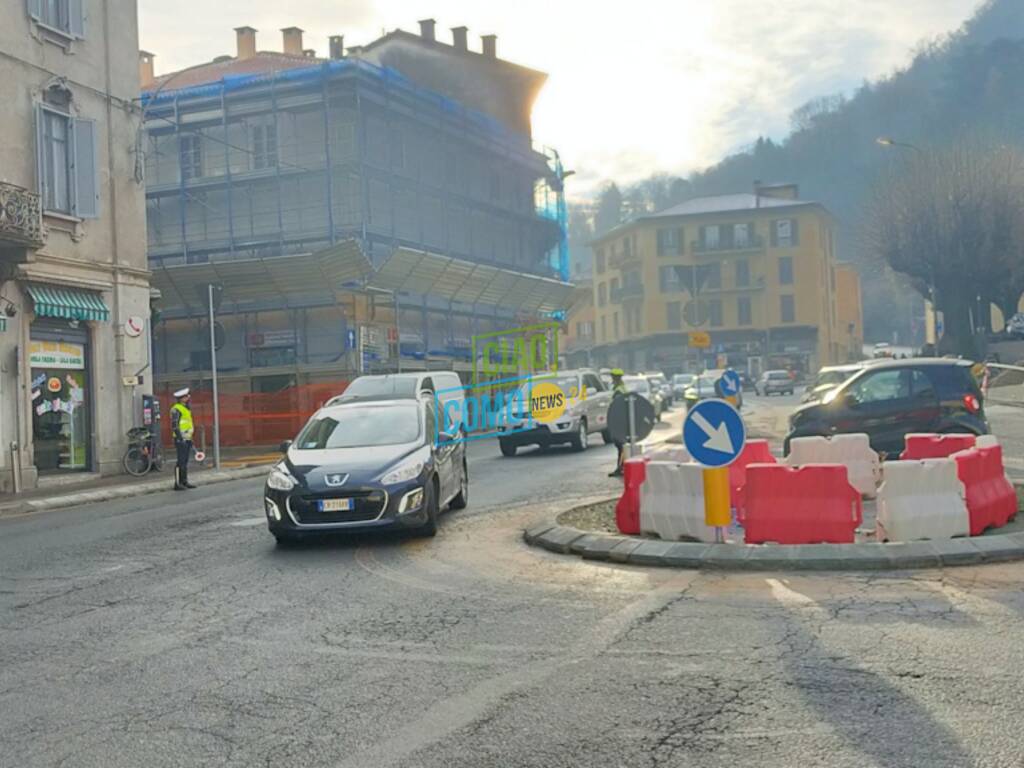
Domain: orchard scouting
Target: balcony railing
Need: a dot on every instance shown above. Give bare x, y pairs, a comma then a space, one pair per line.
627, 292
754, 243
21, 216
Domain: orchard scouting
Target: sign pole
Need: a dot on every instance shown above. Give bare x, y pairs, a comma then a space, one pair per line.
213, 370
632, 425
717, 512
398, 334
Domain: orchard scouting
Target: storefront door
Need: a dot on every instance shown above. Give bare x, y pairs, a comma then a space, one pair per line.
61, 424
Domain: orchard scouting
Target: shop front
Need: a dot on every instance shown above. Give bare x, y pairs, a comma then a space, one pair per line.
60, 389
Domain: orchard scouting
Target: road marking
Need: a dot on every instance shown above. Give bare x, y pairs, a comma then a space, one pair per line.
974, 605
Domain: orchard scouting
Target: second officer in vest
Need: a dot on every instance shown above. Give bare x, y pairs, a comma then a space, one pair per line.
183, 429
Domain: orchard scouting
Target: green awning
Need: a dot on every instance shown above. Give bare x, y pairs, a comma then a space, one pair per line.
68, 303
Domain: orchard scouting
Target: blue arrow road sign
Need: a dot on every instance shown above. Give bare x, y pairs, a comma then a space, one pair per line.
713, 433
729, 383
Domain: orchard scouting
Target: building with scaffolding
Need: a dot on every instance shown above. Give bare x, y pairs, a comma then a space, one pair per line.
367, 211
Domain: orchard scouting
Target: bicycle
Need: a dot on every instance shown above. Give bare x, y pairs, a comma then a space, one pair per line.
144, 453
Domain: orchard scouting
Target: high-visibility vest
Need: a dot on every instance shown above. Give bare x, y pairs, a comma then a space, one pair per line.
184, 420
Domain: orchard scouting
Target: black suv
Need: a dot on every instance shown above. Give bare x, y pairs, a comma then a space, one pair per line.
888, 400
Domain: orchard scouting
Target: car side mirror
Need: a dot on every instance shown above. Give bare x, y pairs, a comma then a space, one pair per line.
446, 438
285, 445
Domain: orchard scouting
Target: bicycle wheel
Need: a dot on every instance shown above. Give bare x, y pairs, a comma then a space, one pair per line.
136, 461
157, 458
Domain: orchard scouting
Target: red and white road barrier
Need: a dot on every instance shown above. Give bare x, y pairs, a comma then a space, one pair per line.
852, 451
921, 499
672, 502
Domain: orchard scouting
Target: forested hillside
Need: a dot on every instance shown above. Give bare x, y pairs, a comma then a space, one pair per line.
971, 82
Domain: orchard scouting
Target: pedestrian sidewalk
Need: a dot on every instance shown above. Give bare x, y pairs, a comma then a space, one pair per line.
236, 464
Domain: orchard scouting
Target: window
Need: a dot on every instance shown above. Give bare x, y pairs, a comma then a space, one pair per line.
741, 235
65, 16
615, 324
785, 270
715, 312
627, 247
921, 385
632, 278
709, 277
602, 294
743, 314
787, 309
742, 273
673, 316
670, 242
668, 280
881, 386
191, 151
784, 233
709, 237
604, 329
599, 255
66, 160
636, 324
592, 383
613, 288
264, 146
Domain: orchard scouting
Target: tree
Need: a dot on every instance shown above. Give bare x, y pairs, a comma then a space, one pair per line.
609, 209
952, 220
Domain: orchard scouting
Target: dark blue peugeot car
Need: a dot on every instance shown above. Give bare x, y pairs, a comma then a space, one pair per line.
378, 464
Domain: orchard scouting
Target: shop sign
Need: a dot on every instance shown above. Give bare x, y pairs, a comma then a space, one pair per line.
56, 354
286, 338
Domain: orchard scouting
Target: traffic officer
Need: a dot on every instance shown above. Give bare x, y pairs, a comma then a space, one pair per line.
183, 429
618, 390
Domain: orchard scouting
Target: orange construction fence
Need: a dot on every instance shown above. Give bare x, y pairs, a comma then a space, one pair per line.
255, 418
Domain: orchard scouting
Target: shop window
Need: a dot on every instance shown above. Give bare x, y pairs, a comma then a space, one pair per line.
60, 411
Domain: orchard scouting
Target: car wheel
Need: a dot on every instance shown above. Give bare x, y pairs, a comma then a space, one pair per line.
429, 528
580, 440
462, 498
507, 449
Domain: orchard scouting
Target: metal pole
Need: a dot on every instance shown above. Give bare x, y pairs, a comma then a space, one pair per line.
398, 332
213, 371
632, 425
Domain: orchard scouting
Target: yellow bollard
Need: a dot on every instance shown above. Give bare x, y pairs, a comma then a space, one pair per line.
717, 511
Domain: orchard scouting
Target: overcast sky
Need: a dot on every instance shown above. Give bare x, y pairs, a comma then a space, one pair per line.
635, 87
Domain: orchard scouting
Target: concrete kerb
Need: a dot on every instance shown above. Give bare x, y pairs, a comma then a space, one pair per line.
777, 557
92, 496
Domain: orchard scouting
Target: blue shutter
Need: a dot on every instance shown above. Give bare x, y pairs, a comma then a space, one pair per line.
35, 9
76, 18
41, 155
86, 177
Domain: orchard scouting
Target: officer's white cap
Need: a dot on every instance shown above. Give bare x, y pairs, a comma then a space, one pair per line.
181, 393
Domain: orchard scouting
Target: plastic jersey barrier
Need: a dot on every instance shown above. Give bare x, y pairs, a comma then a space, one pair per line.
991, 498
811, 504
925, 445
672, 502
627, 510
754, 452
921, 499
852, 451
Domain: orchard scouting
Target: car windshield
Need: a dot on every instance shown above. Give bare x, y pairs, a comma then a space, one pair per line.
706, 383
637, 384
831, 378
568, 384
390, 424
373, 386
682, 378
777, 375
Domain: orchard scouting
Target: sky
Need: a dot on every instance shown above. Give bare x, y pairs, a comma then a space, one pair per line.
635, 88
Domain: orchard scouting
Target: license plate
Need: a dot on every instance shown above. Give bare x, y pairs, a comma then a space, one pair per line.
337, 505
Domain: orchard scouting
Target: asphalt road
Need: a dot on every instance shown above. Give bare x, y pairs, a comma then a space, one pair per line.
169, 631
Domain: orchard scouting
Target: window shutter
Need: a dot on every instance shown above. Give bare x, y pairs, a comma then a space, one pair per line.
774, 233
682, 241
795, 233
35, 9
41, 155
86, 177
76, 18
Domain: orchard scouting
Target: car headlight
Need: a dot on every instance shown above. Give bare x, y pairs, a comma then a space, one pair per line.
280, 479
404, 472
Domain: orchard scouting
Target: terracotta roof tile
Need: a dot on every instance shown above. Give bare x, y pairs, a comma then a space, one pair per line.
264, 62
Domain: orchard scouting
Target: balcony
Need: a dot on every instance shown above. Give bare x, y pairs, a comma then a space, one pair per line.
754, 243
630, 292
21, 217
621, 260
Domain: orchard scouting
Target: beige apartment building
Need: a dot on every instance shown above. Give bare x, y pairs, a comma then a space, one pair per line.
74, 286
757, 272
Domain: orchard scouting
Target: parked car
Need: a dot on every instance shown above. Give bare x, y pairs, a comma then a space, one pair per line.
1015, 325
445, 385
586, 413
747, 382
892, 398
828, 378
779, 382
642, 386
701, 388
371, 464
680, 383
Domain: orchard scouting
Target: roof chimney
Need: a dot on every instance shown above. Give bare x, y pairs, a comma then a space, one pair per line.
146, 73
291, 38
337, 46
427, 29
459, 38
246, 39
490, 46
